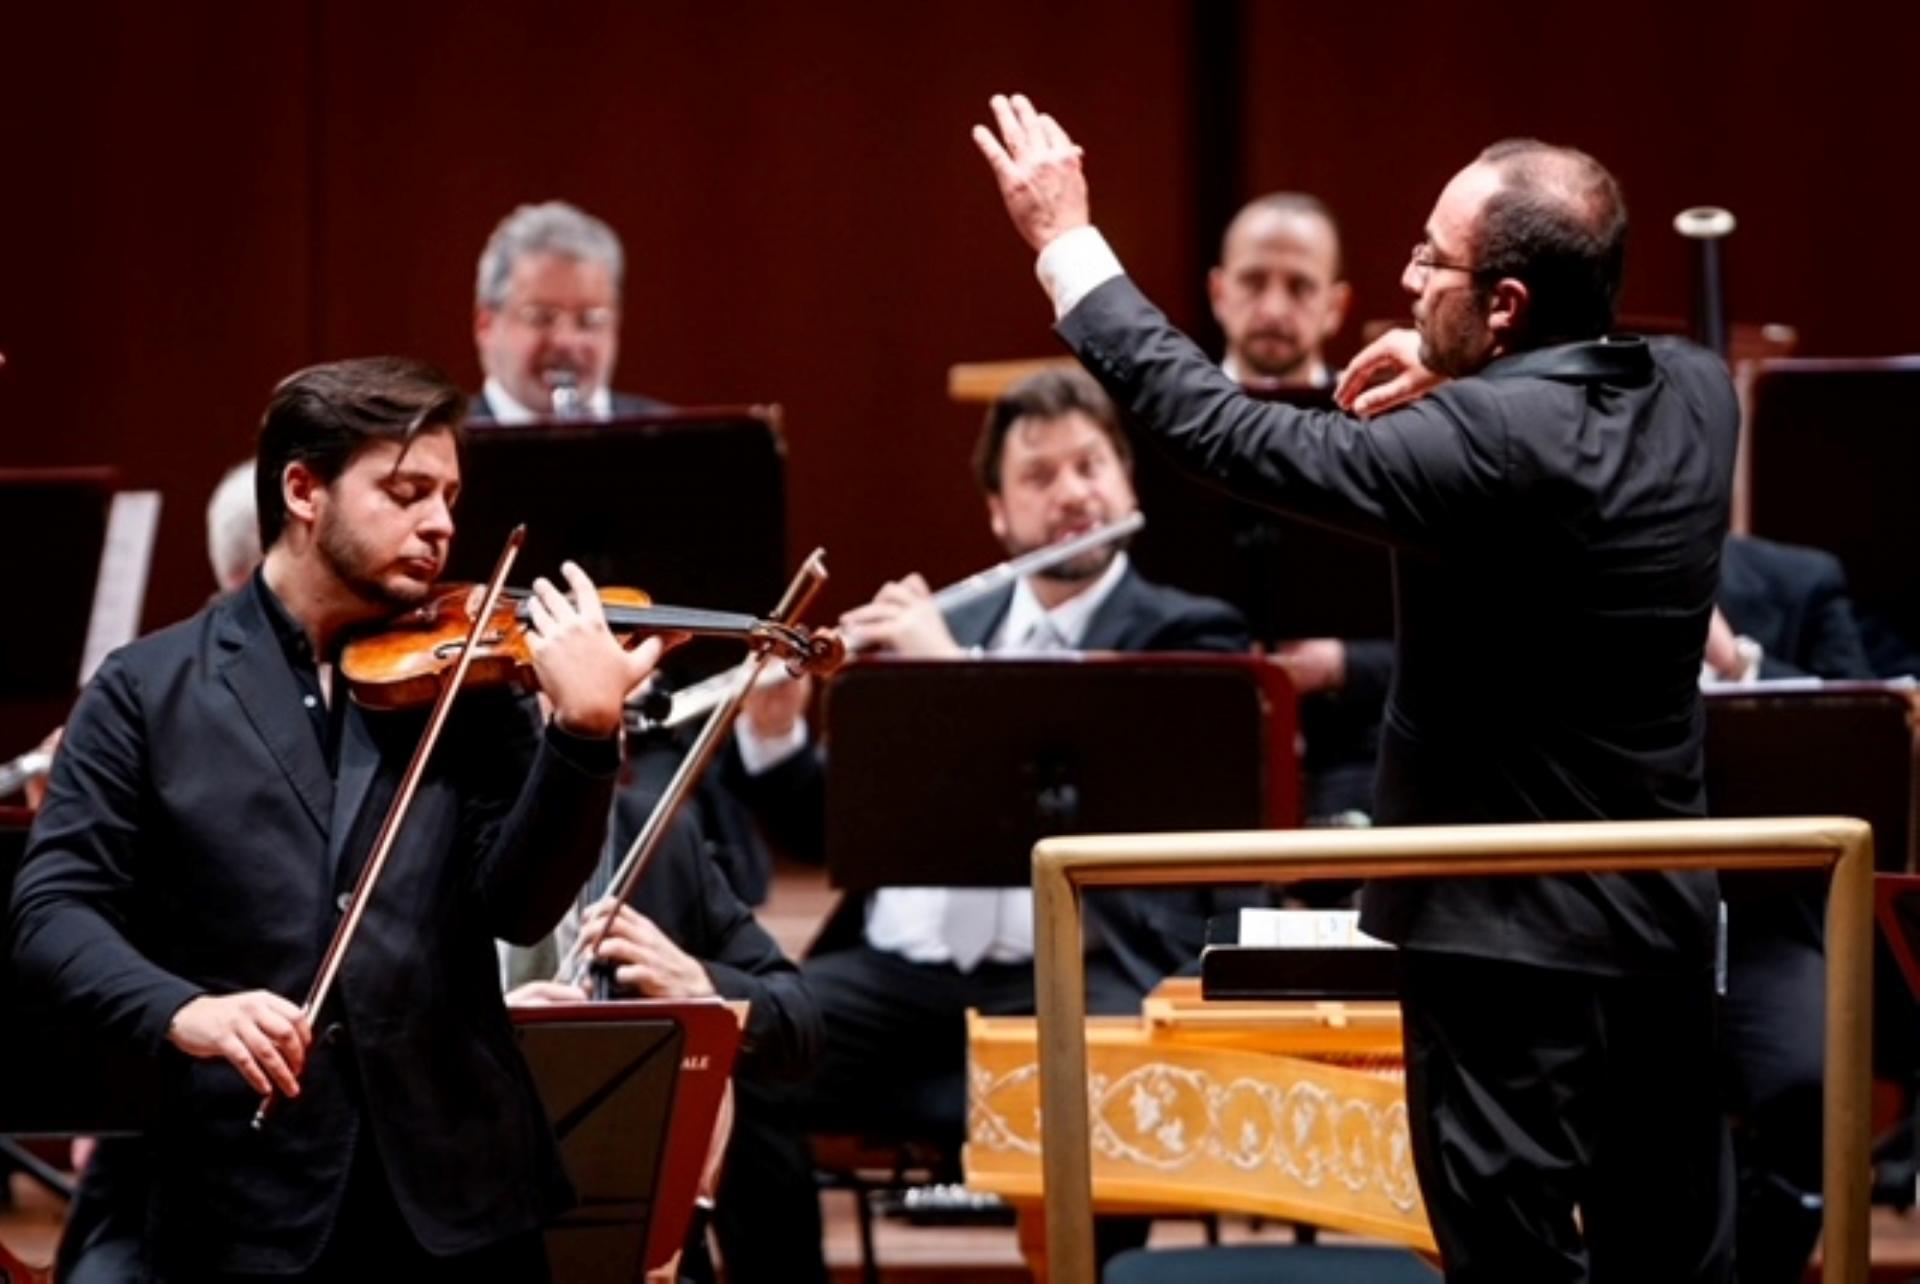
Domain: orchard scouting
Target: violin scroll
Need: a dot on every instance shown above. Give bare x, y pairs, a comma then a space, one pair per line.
806, 651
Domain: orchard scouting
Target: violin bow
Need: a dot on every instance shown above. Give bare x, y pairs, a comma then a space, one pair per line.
343, 933
793, 604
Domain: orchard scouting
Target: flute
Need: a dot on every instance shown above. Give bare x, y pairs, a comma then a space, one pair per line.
703, 697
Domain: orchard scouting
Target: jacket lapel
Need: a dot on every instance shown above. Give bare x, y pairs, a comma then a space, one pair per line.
256, 672
359, 758
1111, 628
975, 623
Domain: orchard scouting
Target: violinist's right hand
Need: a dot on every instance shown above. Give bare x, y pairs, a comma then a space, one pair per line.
262, 1035
903, 619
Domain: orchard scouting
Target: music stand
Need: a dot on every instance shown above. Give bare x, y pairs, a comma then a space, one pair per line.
1896, 907
688, 505
1834, 442
945, 773
1289, 577
1841, 749
61, 515
607, 1076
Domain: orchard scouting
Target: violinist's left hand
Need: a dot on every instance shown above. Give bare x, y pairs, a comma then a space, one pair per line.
581, 665
645, 961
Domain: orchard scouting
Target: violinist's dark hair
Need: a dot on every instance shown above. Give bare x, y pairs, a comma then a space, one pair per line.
1047, 395
325, 415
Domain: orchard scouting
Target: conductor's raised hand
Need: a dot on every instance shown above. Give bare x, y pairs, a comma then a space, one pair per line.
583, 669
1385, 374
1037, 167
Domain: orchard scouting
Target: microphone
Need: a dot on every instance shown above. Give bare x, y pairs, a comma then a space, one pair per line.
564, 385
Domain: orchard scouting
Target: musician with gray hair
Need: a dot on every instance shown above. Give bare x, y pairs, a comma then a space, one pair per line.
546, 319
233, 528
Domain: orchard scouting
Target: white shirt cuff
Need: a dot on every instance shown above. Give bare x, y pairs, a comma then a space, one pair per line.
760, 754
1074, 265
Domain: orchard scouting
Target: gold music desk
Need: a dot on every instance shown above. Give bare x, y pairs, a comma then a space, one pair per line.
1295, 1111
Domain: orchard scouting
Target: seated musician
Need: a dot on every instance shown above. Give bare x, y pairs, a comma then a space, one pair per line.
1782, 611
214, 801
1279, 294
546, 328
546, 319
895, 974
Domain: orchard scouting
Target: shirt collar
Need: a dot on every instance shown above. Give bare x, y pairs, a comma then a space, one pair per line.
1069, 619
292, 638
1231, 369
507, 411
1621, 359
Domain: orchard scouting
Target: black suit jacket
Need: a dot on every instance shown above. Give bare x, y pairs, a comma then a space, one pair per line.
480, 410
1148, 933
193, 841
1793, 602
1557, 523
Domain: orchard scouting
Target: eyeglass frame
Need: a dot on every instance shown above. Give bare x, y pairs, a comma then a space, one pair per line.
1428, 265
542, 318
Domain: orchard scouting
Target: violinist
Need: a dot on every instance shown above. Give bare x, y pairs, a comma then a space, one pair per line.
214, 800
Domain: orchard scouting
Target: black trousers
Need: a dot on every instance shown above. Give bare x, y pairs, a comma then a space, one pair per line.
1567, 1127
369, 1241
893, 1063
1772, 1031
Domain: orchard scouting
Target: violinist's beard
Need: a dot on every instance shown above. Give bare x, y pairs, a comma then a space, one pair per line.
359, 568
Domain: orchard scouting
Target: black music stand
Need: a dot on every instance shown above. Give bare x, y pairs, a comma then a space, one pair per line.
61, 515
1833, 445
607, 1078
688, 505
1290, 578
1840, 749
945, 773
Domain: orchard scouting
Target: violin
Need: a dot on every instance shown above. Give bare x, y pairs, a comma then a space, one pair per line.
401, 666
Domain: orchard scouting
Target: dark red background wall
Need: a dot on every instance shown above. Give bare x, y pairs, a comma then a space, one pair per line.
202, 197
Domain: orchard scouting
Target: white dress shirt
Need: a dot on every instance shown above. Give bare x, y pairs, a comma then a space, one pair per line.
507, 411
1075, 264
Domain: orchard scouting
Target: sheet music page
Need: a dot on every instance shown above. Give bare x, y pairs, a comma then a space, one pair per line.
1292, 929
120, 592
